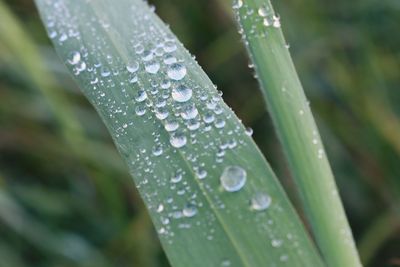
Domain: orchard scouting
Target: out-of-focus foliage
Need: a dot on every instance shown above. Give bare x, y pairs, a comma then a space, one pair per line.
62, 207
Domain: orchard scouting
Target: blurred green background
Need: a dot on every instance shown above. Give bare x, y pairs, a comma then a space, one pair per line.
66, 198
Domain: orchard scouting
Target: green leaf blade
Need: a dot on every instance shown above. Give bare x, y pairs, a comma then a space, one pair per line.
297, 131
176, 171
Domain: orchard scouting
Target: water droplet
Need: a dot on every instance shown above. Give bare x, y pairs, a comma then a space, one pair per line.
141, 96
262, 11
237, 4
160, 208
201, 174
162, 113
277, 22
260, 201
147, 55
189, 210
208, 117
105, 72
157, 151
193, 124
225, 263
152, 67
249, 131
182, 93
178, 140
171, 125
81, 66
219, 123
74, 58
169, 46
233, 178
189, 112
177, 71
176, 178
276, 243
165, 84
140, 110
132, 66
170, 59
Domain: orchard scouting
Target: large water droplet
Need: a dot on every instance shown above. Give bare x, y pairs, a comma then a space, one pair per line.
260, 201
233, 178
177, 71
178, 140
182, 93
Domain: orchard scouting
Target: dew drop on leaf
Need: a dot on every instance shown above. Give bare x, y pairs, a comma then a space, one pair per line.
132, 66
176, 71
189, 210
74, 58
152, 67
233, 178
182, 93
260, 201
178, 140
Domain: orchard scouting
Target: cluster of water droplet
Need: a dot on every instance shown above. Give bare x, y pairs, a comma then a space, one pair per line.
162, 115
253, 18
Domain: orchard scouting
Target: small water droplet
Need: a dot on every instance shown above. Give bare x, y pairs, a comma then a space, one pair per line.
105, 72
169, 46
157, 151
140, 110
233, 178
260, 201
276, 243
201, 174
237, 4
147, 55
189, 112
160, 208
178, 140
225, 263
249, 131
189, 210
141, 96
74, 58
262, 11
170, 59
152, 67
176, 178
132, 66
171, 125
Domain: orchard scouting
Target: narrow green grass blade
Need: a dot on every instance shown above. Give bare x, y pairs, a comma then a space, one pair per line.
177, 142
297, 130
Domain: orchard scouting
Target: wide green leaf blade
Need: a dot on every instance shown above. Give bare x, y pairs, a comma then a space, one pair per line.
178, 137
298, 133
